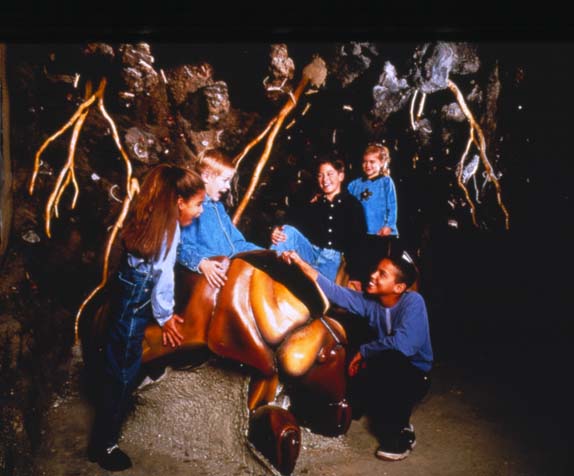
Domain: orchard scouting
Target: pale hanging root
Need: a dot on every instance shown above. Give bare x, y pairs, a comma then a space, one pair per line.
237, 160
287, 108
85, 105
116, 137
315, 73
412, 110
133, 188
67, 172
481, 145
459, 177
421, 106
420, 110
67, 175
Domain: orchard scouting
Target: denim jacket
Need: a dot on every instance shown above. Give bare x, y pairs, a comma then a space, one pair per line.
212, 234
379, 199
162, 277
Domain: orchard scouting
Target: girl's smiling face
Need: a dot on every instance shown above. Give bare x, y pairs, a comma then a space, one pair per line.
216, 184
191, 208
372, 165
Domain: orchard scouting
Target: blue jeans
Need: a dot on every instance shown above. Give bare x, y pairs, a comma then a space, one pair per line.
324, 260
122, 353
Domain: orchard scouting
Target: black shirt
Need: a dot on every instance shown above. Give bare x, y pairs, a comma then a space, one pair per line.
339, 224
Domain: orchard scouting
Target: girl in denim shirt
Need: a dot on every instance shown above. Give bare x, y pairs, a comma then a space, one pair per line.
170, 197
376, 192
212, 234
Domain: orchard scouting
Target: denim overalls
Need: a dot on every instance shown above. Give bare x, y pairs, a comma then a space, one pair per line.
122, 353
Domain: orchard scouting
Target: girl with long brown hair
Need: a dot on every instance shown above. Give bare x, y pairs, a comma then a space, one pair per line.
170, 197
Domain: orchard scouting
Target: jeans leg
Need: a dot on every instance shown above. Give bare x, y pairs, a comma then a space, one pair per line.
122, 355
298, 242
327, 262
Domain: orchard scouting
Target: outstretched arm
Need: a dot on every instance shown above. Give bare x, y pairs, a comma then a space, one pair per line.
351, 300
292, 257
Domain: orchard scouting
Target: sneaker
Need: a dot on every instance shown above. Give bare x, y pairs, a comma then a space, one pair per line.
114, 459
395, 449
409, 431
154, 378
392, 454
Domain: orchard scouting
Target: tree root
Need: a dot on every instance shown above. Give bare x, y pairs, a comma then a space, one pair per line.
477, 138
67, 175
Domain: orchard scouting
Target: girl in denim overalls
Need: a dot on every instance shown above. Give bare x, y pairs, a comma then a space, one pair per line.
170, 197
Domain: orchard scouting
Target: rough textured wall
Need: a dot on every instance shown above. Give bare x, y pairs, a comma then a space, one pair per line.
5, 166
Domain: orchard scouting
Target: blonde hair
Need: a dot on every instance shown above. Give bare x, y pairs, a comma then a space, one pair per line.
383, 154
213, 161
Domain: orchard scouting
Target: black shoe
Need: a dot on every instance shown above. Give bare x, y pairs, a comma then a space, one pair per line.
112, 459
397, 447
409, 431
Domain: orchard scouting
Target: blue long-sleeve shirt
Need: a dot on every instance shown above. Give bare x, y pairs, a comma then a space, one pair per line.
407, 329
162, 293
211, 234
379, 200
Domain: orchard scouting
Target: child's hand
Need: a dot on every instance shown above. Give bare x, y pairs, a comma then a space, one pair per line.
385, 231
315, 197
355, 364
355, 285
291, 257
277, 235
170, 334
214, 272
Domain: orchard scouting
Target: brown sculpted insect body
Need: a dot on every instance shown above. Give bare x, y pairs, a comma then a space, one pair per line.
268, 316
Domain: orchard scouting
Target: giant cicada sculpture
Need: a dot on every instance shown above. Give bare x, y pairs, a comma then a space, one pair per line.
271, 318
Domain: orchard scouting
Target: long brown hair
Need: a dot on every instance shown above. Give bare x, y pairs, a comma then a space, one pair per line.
155, 212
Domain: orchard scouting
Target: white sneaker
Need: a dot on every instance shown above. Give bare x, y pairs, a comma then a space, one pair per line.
392, 454
147, 381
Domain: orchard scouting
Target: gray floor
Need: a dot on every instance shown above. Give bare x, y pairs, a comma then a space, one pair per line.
467, 425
